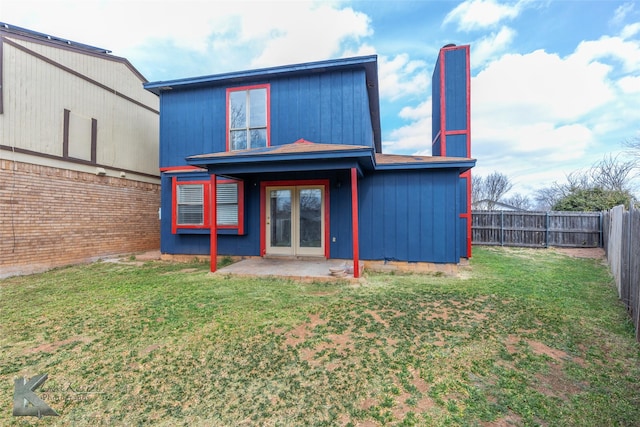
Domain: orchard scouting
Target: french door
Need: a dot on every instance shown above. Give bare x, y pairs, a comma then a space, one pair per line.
295, 220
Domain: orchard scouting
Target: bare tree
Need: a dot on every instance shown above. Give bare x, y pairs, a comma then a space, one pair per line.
611, 173
633, 147
490, 189
610, 176
519, 201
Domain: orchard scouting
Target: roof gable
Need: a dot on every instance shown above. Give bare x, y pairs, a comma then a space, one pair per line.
26, 35
369, 64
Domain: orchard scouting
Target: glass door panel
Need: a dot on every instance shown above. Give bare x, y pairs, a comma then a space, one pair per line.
310, 203
280, 218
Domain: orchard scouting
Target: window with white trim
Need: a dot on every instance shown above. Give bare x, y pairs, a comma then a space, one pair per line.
227, 204
248, 117
190, 205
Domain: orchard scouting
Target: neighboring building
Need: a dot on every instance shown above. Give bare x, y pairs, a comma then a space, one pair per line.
78, 154
485, 205
287, 161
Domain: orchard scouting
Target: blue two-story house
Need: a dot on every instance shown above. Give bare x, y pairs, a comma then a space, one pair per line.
287, 161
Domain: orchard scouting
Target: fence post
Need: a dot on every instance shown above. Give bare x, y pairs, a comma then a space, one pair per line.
546, 231
501, 228
600, 226
633, 276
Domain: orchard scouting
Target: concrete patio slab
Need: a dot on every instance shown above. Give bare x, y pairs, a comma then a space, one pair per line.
287, 268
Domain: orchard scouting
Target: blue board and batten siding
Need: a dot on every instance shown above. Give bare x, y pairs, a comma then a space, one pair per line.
407, 211
451, 92
451, 124
328, 108
409, 216
403, 216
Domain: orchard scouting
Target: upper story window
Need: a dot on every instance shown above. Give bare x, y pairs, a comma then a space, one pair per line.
247, 117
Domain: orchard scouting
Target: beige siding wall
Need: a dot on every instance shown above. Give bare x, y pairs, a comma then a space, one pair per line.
37, 92
112, 73
55, 209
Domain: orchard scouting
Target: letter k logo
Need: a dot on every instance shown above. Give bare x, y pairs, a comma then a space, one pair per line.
25, 401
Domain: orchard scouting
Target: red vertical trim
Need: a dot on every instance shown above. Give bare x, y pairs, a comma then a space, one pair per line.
263, 219
354, 223
174, 205
213, 239
228, 119
240, 207
206, 205
443, 107
469, 218
327, 216
468, 64
469, 229
268, 87
467, 212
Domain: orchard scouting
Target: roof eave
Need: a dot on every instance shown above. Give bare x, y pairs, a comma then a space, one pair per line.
462, 165
284, 70
364, 154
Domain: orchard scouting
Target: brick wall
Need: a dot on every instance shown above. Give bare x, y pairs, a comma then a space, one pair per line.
51, 217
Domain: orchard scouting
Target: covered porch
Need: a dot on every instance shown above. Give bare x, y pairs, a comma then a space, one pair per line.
291, 163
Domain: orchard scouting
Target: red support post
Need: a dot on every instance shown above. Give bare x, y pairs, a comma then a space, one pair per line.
354, 223
213, 241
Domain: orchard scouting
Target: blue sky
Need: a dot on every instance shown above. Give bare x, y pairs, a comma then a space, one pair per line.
555, 84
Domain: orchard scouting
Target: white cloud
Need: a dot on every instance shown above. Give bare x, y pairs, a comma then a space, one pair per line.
630, 30
544, 141
487, 47
630, 84
540, 86
226, 34
415, 137
479, 14
627, 52
400, 76
305, 32
621, 13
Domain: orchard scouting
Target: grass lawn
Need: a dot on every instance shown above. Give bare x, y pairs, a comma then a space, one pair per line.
527, 337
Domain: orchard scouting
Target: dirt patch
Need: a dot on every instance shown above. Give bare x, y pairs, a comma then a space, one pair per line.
509, 420
300, 333
149, 349
53, 346
555, 354
595, 253
555, 383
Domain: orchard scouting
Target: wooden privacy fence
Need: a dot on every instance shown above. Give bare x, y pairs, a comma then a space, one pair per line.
537, 229
622, 245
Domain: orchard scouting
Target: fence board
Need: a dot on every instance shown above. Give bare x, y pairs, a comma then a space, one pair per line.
537, 229
622, 237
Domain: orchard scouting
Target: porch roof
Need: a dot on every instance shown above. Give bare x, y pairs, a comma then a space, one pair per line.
305, 155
